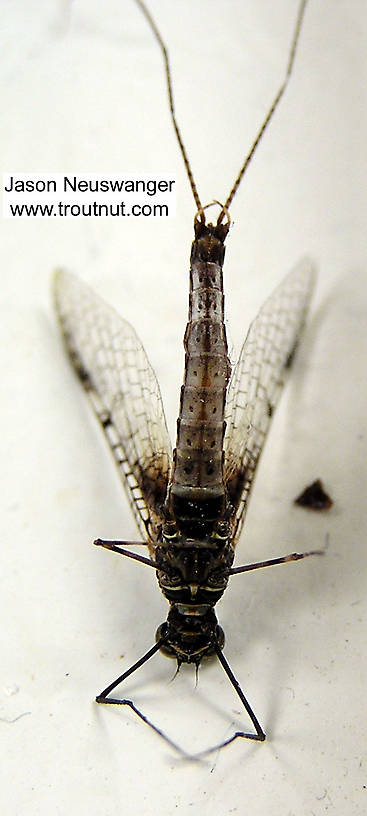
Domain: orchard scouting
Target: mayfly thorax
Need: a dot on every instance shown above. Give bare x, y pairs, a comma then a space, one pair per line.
190, 504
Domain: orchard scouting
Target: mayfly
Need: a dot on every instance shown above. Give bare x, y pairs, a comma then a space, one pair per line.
190, 505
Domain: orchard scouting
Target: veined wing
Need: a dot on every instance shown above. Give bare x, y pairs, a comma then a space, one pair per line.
257, 380
112, 365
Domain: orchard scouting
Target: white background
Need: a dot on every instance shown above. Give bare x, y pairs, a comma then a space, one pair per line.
82, 89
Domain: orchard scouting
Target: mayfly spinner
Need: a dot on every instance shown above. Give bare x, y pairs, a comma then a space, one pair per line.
189, 505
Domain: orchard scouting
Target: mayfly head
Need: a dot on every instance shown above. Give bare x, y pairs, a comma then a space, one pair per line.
189, 638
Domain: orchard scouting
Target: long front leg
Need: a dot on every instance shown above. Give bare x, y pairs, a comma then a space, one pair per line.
260, 735
102, 697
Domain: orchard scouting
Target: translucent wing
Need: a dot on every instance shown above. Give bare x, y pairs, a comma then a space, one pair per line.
112, 365
256, 383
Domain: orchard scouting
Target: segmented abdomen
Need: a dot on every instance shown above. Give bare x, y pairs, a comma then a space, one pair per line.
197, 475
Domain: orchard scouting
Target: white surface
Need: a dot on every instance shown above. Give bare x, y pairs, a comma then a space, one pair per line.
82, 90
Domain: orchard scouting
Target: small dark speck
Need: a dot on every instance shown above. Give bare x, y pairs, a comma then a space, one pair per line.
314, 497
